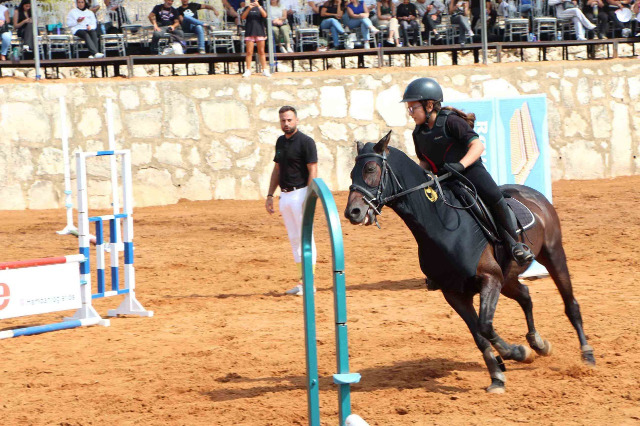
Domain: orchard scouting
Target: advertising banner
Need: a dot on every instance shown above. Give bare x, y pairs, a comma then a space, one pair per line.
516, 137
38, 290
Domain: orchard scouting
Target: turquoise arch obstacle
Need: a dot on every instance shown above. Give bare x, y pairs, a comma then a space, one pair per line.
343, 378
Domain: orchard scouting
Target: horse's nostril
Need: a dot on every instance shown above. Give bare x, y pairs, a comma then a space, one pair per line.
355, 212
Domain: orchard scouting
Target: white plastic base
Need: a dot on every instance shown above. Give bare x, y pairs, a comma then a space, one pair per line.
355, 420
89, 313
130, 306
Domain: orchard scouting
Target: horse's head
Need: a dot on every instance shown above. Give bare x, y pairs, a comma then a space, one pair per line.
369, 179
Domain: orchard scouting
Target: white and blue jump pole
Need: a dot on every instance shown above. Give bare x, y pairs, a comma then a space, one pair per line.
344, 379
130, 305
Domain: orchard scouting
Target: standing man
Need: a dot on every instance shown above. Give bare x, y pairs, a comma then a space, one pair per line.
296, 165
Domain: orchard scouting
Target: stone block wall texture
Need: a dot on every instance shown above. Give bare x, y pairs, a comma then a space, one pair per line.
213, 137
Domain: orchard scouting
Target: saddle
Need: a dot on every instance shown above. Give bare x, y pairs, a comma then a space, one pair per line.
483, 216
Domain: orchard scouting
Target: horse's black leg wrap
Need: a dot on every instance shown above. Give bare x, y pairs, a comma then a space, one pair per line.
498, 379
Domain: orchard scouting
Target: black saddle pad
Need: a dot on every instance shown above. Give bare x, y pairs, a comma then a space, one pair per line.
526, 219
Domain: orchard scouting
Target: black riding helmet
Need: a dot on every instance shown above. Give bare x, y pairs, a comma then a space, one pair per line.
423, 89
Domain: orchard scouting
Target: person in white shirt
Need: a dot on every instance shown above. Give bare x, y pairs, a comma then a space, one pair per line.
280, 26
82, 23
580, 22
5, 34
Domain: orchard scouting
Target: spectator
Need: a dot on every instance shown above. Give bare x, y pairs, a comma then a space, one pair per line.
459, 11
580, 22
421, 8
620, 14
387, 16
433, 17
5, 32
407, 15
358, 16
636, 12
23, 23
505, 9
595, 11
82, 23
116, 16
372, 6
315, 6
188, 12
232, 7
281, 28
254, 33
165, 20
492, 14
330, 15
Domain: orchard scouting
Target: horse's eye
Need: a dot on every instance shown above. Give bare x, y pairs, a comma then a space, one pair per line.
370, 168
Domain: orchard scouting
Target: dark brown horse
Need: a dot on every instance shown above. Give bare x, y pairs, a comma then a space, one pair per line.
384, 175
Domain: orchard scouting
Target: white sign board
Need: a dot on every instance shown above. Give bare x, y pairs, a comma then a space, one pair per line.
39, 289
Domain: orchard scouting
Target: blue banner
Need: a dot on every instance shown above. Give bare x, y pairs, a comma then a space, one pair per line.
516, 137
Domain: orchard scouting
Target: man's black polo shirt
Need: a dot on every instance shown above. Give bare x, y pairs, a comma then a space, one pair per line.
293, 155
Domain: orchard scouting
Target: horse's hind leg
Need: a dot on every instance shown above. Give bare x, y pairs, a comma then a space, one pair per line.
554, 259
463, 305
514, 289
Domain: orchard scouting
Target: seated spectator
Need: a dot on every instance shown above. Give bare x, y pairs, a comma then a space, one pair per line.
315, 5
433, 17
492, 14
188, 12
165, 20
358, 16
82, 23
596, 13
387, 17
459, 11
636, 12
330, 15
372, 6
580, 22
23, 23
407, 15
617, 11
506, 10
280, 27
232, 7
115, 16
5, 33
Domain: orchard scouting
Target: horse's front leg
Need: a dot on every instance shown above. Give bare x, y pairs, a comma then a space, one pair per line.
462, 303
491, 287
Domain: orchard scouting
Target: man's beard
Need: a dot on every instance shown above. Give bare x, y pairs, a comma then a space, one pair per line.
290, 131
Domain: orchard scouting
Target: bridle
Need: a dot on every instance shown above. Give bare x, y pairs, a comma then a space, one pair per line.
377, 201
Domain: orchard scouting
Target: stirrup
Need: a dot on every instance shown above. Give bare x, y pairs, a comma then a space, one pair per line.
522, 253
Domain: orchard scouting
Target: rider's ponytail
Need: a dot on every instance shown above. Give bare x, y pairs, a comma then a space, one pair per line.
470, 117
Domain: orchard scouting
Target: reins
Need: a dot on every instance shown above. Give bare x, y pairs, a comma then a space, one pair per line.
369, 198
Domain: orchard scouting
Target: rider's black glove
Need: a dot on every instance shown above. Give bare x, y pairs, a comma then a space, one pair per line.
454, 167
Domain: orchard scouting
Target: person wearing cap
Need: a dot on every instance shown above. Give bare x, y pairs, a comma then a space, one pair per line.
295, 166
445, 141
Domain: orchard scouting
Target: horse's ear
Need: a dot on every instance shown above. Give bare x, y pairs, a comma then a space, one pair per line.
381, 146
359, 146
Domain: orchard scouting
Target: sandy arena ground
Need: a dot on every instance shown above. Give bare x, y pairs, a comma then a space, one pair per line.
225, 346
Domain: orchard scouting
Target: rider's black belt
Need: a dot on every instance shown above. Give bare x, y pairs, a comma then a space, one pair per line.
292, 188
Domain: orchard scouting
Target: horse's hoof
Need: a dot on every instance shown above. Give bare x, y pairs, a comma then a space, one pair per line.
546, 350
587, 355
529, 356
497, 386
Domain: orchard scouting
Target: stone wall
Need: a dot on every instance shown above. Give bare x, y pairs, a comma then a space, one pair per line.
213, 137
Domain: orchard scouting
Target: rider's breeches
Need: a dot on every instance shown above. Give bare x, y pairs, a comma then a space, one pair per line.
291, 210
484, 183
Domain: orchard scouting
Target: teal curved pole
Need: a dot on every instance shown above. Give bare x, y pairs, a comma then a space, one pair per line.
343, 378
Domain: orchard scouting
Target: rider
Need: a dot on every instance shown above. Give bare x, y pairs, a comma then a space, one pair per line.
445, 140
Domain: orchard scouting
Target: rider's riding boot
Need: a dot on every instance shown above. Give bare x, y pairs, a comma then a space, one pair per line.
507, 225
